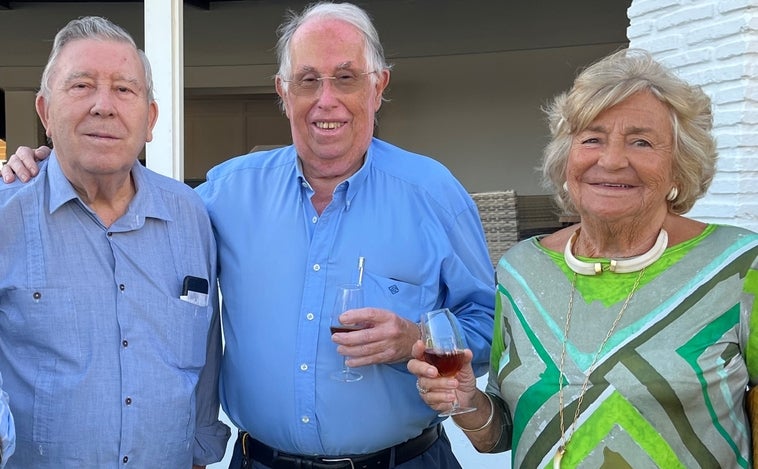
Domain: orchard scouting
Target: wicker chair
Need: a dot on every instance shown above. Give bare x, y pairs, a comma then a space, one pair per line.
498, 213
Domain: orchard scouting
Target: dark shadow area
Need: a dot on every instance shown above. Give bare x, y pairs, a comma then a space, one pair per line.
2, 114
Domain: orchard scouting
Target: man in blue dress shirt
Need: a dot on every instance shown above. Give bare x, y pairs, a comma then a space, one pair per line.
109, 333
291, 225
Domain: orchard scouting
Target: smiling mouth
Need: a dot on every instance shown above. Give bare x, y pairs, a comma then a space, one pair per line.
607, 184
329, 125
101, 136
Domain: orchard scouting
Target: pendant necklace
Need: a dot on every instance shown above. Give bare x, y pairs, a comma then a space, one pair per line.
564, 440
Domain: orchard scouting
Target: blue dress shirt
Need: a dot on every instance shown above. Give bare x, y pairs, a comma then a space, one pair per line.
424, 246
104, 365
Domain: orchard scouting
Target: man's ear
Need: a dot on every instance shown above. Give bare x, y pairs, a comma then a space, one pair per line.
152, 118
41, 105
382, 81
282, 95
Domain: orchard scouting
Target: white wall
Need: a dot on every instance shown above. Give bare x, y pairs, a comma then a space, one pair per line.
714, 44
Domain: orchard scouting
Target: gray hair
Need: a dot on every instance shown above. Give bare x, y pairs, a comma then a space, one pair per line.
91, 27
346, 12
609, 82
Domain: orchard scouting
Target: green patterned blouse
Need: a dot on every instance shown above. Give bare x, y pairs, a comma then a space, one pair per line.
666, 390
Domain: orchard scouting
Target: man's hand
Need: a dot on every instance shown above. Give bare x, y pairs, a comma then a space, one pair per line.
387, 339
23, 164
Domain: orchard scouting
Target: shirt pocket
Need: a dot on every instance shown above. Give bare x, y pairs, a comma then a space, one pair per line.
401, 297
187, 333
41, 322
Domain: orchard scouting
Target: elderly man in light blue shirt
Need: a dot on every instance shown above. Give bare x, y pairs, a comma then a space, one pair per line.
109, 328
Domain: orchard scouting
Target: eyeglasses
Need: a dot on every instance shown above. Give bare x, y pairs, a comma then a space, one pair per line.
345, 82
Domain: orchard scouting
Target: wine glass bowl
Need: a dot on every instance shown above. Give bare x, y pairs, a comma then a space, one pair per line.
447, 363
349, 296
445, 346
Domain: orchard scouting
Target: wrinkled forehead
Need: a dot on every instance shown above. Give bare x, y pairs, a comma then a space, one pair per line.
326, 45
101, 56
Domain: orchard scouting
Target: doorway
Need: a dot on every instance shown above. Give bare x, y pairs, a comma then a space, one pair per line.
219, 127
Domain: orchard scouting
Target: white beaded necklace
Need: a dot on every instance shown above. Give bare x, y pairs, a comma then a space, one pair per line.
619, 266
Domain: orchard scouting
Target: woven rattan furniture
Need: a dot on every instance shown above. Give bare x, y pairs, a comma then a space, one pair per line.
498, 213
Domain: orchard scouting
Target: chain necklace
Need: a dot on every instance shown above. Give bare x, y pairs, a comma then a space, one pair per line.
564, 440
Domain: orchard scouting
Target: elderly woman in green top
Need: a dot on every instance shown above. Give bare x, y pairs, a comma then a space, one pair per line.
624, 340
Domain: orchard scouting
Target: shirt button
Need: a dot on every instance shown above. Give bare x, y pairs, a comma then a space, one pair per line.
126, 459
122, 287
304, 367
37, 295
316, 267
128, 401
109, 235
305, 419
309, 316
314, 219
125, 343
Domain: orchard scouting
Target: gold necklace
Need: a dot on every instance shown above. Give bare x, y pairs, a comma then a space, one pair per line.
564, 441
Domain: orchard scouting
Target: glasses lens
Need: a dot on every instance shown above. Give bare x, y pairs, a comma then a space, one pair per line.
345, 82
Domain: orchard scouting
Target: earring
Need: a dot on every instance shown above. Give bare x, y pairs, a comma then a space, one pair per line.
565, 186
673, 193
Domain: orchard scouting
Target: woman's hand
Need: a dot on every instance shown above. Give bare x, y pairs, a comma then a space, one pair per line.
437, 391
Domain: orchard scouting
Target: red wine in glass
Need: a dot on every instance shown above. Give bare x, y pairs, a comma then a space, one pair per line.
348, 297
336, 329
445, 348
447, 363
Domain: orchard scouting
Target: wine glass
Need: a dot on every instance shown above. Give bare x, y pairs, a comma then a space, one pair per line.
349, 296
445, 345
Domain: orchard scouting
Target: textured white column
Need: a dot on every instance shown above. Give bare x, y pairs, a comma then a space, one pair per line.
714, 44
164, 46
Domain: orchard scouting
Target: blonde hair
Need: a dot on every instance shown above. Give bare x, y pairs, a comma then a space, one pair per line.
609, 82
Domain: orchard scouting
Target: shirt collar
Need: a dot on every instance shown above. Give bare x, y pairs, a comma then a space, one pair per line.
351, 185
145, 204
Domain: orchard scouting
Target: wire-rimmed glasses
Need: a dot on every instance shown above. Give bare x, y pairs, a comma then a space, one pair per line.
344, 82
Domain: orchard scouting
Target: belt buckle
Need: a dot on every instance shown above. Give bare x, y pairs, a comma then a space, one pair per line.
352, 466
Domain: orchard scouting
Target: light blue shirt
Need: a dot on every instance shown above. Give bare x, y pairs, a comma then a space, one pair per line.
103, 363
424, 246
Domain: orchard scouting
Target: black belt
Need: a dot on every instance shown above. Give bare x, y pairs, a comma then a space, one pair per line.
404, 452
